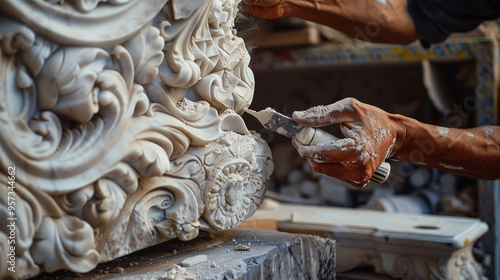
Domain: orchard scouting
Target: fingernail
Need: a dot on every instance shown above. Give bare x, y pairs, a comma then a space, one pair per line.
319, 158
299, 114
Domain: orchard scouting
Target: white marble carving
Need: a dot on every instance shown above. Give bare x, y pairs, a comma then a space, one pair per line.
119, 129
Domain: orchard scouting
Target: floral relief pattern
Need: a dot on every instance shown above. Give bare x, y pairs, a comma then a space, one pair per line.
124, 132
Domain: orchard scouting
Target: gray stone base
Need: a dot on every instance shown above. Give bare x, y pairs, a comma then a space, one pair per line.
272, 255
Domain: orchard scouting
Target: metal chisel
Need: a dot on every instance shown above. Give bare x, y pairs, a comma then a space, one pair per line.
309, 136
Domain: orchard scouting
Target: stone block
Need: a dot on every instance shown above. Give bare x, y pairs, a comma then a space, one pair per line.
272, 255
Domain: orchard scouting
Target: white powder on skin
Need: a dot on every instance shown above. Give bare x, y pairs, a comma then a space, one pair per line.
342, 144
364, 155
470, 135
321, 112
363, 143
443, 131
488, 131
389, 150
451, 166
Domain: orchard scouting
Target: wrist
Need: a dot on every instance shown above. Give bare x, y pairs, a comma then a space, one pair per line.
400, 125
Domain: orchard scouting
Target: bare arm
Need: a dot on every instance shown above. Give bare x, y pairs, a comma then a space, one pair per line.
373, 135
367, 20
471, 152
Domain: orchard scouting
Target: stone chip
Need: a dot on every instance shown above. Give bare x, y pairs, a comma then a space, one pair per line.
194, 260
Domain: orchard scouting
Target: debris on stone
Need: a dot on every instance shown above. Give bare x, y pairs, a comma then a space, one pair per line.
241, 247
194, 260
213, 264
117, 269
178, 273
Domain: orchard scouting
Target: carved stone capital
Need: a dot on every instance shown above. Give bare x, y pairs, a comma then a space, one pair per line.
119, 129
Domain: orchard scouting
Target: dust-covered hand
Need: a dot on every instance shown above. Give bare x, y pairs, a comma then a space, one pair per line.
371, 136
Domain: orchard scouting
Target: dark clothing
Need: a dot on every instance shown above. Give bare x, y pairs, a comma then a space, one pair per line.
435, 20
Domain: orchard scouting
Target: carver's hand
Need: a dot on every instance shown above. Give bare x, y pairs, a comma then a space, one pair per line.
264, 8
321, 11
371, 136
386, 21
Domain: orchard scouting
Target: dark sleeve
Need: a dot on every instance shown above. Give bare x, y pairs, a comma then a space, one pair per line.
435, 20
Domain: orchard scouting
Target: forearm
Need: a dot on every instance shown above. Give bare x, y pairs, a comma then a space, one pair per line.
367, 20
472, 152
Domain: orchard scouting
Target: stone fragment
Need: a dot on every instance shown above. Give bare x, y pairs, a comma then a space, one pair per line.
241, 247
178, 273
194, 260
117, 269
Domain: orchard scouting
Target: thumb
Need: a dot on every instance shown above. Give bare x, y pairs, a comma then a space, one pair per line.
336, 113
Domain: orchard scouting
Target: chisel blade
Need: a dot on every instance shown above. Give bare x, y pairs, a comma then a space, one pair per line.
277, 122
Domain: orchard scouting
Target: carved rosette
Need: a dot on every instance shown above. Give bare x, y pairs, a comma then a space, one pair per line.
118, 117
235, 187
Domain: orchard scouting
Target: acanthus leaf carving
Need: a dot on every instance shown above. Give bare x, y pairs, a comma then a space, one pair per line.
67, 82
106, 204
70, 242
146, 52
23, 230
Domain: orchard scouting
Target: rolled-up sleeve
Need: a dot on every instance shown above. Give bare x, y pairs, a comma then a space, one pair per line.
435, 20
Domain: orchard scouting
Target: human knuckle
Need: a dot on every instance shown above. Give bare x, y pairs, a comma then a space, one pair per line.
348, 100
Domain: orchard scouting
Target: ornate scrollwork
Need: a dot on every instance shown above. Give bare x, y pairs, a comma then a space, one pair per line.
111, 111
213, 62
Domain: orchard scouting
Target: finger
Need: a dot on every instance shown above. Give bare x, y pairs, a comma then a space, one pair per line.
343, 150
335, 170
341, 172
263, 3
338, 112
275, 11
